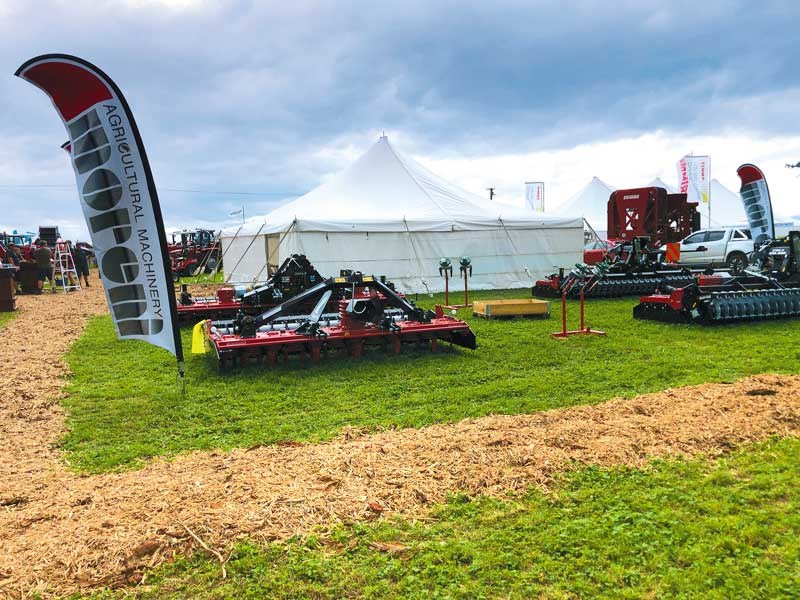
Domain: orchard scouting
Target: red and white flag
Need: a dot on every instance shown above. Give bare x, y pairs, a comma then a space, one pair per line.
694, 178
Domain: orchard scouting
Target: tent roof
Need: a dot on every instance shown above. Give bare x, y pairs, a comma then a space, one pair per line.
726, 207
385, 190
658, 182
591, 202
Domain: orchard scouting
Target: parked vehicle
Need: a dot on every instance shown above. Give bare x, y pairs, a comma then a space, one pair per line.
729, 246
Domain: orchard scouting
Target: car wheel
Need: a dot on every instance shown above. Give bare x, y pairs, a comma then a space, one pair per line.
737, 262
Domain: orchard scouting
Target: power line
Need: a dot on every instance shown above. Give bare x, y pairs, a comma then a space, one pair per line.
165, 189
284, 194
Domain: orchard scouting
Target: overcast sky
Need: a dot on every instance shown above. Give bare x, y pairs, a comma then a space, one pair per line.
248, 103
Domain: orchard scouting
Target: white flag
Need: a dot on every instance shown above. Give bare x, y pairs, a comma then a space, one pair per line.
534, 195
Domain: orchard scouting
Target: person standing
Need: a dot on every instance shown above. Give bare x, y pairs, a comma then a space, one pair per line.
44, 265
81, 254
13, 257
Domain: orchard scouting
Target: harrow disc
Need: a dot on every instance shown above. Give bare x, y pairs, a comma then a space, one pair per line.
753, 305
618, 286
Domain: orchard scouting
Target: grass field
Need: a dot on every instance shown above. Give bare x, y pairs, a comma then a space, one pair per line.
124, 402
679, 529
218, 277
5, 317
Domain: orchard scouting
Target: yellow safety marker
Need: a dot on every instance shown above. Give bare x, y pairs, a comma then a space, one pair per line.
199, 345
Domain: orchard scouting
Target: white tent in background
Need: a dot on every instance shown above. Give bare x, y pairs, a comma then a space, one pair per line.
591, 202
388, 215
726, 207
658, 182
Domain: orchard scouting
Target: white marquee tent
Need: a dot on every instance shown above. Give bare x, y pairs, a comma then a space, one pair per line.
591, 202
388, 215
658, 182
726, 207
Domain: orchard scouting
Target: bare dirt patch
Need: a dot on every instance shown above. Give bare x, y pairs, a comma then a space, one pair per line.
60, 531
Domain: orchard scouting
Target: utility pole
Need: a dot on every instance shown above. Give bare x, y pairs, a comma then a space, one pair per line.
491, 193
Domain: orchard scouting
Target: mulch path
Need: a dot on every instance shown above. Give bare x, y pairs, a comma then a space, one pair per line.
61, 531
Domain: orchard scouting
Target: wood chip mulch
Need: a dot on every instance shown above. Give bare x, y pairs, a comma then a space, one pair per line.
61, 532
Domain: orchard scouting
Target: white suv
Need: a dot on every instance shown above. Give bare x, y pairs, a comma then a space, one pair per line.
728, 246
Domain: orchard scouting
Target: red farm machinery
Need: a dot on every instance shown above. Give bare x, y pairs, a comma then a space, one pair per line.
23, 241
296, 274
194, 252
652, 213
631, 269
368, 313
770, 289
640, 221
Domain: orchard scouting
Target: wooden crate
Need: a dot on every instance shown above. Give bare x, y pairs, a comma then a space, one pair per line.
497, 309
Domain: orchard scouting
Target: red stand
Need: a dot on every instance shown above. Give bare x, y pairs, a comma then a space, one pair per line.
584, 329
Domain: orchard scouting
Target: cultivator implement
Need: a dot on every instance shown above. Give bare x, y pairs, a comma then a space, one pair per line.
370, 313
694, 304
295, 275
632, 270
614, 285
772, 294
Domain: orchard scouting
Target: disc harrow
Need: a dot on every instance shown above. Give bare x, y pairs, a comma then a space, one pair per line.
728, 307
630, 269
771, 293
616, 285
691, 304
373, 316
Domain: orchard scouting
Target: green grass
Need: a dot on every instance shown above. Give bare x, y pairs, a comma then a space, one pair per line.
6, 317
125, 404
218, 277
678, 529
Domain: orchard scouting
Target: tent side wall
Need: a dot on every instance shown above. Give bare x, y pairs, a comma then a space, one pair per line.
501, 258
245, 256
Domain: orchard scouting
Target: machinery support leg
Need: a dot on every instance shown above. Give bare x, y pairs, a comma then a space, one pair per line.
315, 352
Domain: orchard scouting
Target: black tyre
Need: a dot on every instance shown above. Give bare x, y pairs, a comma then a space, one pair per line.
737, 262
